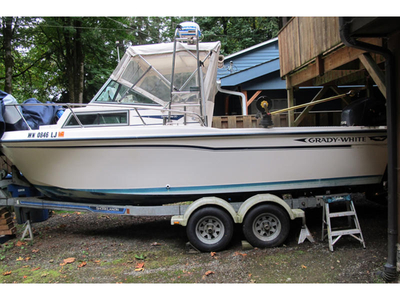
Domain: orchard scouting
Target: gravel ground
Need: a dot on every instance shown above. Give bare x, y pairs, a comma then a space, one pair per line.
73, 247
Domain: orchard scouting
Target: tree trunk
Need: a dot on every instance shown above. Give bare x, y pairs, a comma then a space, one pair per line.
8, 59
224, 21
78, 63
69, 66
74, 61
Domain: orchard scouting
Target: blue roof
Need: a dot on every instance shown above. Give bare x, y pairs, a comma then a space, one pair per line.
252, 63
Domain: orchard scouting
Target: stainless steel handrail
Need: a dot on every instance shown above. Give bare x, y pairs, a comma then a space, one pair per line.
135, 107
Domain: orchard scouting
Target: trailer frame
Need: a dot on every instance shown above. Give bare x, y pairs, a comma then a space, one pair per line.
183, 213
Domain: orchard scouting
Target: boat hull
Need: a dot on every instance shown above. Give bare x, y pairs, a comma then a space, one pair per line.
159, 165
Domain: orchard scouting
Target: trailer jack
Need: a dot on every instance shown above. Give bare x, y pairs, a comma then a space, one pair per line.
305, 234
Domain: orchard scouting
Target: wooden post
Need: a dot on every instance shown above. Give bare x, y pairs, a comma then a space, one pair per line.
290, 95
227, 105
290, 101
375, 72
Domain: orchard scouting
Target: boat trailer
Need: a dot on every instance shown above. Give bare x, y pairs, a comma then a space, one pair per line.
207, 212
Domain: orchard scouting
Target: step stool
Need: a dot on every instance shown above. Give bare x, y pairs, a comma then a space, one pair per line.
334, 234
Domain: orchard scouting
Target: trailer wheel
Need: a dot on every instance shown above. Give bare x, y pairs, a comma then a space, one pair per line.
266, 226
210, 229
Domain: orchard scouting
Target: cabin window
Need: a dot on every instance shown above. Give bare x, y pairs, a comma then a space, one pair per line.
98, 119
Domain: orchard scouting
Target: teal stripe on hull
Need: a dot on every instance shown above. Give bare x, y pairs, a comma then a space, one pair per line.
220, 189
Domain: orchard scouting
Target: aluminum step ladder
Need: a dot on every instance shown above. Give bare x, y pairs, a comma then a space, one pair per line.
334, 234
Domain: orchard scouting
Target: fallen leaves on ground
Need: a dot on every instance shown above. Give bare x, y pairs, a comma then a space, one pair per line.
139, 267
208, 273
21, 258
35, 250
69, 260
303, 267
238, 253
19, 244
82, 264
7, 273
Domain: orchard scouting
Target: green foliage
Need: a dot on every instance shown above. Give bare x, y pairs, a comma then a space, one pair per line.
47, 52
238, 33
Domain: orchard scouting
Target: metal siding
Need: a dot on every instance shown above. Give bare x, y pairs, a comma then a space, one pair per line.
251, 73
249, 59
271, 81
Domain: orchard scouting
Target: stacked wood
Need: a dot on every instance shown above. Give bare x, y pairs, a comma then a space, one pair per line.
6, 222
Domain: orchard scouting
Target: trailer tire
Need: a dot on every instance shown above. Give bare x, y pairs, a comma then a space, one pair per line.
266, 226
210, 229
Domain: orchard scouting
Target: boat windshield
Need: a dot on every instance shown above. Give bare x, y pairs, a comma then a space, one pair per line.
115, 92
176, 76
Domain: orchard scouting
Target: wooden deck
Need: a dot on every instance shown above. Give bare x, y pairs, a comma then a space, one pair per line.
304, 38
312, 54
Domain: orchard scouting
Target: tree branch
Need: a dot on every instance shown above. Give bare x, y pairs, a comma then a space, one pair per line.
28, 68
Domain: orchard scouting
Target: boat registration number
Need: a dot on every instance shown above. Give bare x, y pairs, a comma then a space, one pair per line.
45, 134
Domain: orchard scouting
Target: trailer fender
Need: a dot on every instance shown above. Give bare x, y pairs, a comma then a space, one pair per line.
205, 201
267, 198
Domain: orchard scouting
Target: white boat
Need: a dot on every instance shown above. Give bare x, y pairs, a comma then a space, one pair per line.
146, 139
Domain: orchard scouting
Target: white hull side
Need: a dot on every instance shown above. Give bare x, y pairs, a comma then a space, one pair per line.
206, 161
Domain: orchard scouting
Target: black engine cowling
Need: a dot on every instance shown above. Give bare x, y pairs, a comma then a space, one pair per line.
364, 112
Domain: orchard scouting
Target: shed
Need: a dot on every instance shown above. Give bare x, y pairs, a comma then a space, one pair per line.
252, 71
255, 72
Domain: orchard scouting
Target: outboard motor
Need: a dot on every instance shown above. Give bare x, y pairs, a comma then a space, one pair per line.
364, 112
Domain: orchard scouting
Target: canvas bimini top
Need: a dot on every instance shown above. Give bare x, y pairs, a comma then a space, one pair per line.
145, 72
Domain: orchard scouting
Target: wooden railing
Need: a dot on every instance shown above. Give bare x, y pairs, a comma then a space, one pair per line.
237, 121
281, 120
